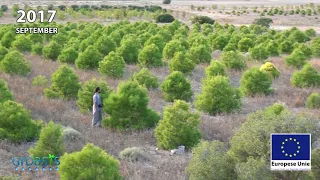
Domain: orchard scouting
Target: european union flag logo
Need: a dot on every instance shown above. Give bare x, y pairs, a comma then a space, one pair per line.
290, 146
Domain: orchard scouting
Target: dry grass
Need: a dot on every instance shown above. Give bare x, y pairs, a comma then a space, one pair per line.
161, 165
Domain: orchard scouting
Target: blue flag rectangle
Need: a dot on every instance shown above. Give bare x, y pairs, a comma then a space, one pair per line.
290, 146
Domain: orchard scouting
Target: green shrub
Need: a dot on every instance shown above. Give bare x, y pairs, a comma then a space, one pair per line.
298, 36
158, 40
89, 59
200, 54
86, 92
306, 77
218, 96
68, 55
244, 44
164, 18
166, 1
286, 46
233, 60
266, 22
36, 38
146, 78
95, 164
129, 50
273, 48
254, 81
7, 39
3, 52
230, 47
307, 51
172, 47
315, 47
37, 49
252, 140
64, 84
133, 154
179, 126
50, 141
219, 42
202, 20
22, 43
270, 68
112, 65
14, 63
296, 59
176, 86
311, 33
216, 68
5, 93
259, 52
260, 171
40, 81
128, 108
4, 8
105, 45
181, 62
60, 38
210, 161
313, 101
52, 50
16, 123
150, 56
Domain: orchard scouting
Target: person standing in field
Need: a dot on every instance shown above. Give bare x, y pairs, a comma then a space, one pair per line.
97, 108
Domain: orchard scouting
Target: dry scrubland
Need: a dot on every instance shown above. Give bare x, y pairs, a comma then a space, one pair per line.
159, 164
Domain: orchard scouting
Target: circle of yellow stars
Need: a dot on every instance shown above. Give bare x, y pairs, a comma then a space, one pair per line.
284, 152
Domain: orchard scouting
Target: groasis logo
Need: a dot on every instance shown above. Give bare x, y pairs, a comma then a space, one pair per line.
50, 162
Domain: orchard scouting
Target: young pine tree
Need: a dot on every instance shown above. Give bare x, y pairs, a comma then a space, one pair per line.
112, 65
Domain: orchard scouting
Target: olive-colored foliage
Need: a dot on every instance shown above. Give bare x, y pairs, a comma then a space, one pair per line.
286, 46
65, 84
165, 18
16, 124
150, 56
14, 63
296, 59
105, 45
252, 140
179, 126
176, 86
68, 55
112, 65
50, 141
145, 78
216, 68
7, 39
128, 108
244, 44
60, 38
307, 51
158, 40
273, 48
311, 33
254, 82
22, 43
266, 22
313, 101
200, 54
210, 161
37, 49
306, 77
202, 20
5, 93
181, 62
298, 36
36, 38
3, 52
315, 46
220, 42
258, 52
89, 59
254, 169
172, 47
233, 60
218, 96
95, 164
40, 81
85, 101
129, 50
271, 69
52, 50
